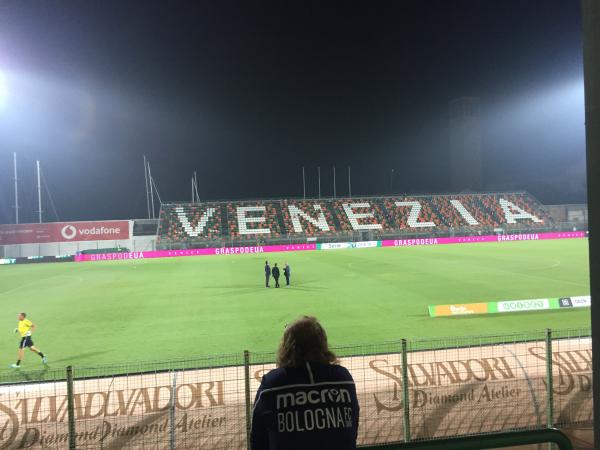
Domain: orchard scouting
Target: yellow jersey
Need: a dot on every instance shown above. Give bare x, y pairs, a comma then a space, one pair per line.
24, 326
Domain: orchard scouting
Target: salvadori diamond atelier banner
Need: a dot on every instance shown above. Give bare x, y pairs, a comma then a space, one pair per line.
451, 392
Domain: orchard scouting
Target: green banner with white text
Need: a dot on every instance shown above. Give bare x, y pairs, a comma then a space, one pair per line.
510, 306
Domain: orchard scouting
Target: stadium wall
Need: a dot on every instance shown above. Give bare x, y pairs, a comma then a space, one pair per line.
576, 214
135, 243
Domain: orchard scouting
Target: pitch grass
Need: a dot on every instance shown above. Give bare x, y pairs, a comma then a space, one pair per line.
126, 311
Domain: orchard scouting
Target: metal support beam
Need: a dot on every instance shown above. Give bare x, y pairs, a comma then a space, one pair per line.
71, 409
405, 392
196, 186
147, 189
303, 184
349, 184
16, 188
590, 13
334, 194
39, 190
319, 177
248, 399
549, 381
477, 442
151, 189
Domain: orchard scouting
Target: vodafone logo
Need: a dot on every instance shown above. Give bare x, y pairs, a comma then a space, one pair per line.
88, 233
68, 232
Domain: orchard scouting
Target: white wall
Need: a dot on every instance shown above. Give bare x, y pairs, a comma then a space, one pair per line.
137, 244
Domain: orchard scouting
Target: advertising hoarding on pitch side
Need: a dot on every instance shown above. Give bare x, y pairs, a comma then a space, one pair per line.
510, 306
452, 392
523, 305
45, 233
345, 245
463, 309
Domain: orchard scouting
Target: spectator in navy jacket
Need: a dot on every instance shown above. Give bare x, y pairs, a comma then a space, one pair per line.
309, 401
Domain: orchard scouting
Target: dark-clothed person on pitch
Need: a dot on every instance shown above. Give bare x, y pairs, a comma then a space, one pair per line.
309, 401
275, 273
267, 273
287, 272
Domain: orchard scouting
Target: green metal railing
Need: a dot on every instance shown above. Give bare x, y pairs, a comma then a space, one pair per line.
487, 441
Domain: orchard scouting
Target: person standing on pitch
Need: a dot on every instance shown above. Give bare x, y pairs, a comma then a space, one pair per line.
25, 327
267, 273
286, 273
276, 275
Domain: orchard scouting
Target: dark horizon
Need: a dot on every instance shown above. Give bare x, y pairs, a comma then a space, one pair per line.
248, 94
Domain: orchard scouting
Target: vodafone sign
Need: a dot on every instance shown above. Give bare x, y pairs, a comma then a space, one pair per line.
43, 233
69, 232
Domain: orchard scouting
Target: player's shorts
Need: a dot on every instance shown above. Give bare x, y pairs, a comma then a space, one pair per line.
26, 342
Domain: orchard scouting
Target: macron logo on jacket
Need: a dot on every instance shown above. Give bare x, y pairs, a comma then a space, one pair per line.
314, 397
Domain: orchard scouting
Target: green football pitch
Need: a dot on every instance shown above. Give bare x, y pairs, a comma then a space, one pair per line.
125, 311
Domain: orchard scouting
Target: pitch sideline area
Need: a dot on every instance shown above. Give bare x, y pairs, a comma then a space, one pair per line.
111, 312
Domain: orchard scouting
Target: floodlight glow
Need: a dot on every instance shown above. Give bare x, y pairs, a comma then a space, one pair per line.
36, 110
548, 121
3, 89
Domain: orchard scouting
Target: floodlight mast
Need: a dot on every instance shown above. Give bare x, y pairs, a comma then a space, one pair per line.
39, 189
303, 184
334, 196
196, 186
319, 176
16, 188
349, 184
147, 190
151, 189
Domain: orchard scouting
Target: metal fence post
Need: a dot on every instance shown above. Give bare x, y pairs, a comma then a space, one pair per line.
172, 417
549, 380
248, 401
405, 396
71, 409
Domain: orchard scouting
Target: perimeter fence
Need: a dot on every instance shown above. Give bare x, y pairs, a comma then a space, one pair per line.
408, 390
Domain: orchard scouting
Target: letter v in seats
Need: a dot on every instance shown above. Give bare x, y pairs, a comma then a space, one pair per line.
199, 228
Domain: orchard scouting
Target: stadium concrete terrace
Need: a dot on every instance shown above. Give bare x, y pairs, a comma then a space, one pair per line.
319, 217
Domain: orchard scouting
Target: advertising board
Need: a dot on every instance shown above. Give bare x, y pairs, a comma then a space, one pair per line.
451, 391
510, 306
43, 233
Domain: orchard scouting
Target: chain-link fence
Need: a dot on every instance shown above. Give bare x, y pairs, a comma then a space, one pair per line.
413, 389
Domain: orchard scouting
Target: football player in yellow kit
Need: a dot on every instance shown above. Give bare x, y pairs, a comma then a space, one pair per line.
25, 327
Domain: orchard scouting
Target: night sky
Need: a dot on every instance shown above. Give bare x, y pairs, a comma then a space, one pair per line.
246, 93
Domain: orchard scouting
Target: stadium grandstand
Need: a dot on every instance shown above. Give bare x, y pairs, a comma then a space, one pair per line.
188, 225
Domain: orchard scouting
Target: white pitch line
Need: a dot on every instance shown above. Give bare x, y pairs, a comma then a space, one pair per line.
31, 283
552, 266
